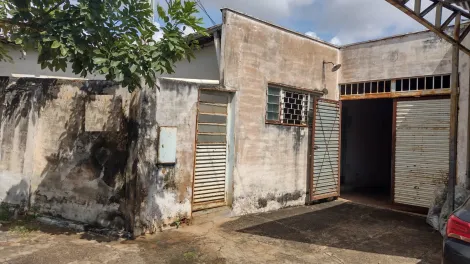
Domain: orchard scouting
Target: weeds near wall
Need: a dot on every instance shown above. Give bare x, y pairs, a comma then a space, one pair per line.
22, 230
4, 213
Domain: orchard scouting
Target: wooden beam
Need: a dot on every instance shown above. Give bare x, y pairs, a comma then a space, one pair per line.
447, 22
417, 7
457, 28
427, 10
438, 15
464, 33
453, 8
428, 25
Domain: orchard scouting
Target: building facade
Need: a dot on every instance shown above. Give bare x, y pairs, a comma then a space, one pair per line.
259, 121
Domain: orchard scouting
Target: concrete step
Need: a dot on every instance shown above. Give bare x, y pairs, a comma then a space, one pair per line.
218, 214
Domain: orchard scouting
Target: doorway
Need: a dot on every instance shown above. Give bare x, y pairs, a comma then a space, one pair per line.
211, 166
366, 151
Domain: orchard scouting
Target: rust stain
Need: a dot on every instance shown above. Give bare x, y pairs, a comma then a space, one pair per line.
185, 176
396, 94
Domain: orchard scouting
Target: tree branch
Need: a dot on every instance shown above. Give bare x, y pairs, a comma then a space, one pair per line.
18, 24
55, 7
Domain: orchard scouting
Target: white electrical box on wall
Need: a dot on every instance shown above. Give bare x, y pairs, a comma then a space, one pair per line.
167, 145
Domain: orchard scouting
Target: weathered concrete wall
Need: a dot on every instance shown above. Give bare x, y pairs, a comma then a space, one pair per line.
410, 55
415, 54
204, 66
49, 157
167, 189
462, 150
270, 160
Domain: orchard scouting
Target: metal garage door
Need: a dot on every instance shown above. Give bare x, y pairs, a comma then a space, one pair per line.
211, 150
326, 149
421, 149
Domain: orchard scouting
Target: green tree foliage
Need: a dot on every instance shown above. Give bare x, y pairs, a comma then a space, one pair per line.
110, 37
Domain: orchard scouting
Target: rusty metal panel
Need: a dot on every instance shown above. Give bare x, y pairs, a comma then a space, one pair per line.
326, 149
209, 186
210, 174
421, 150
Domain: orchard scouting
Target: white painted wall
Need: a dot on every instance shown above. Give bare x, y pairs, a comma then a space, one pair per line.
27, 66
204, 66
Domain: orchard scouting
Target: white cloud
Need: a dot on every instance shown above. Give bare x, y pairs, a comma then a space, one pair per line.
346, 20
358, 20
188, 30
312, 34
271, 10
335, 41
158, 35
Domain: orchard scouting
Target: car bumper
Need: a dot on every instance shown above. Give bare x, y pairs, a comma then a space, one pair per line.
455, 252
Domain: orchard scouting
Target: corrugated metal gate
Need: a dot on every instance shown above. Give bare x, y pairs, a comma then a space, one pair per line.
326, 149
211, 150
421, 149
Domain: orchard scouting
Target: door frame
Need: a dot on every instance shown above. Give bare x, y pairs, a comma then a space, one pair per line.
229, 162
312, 158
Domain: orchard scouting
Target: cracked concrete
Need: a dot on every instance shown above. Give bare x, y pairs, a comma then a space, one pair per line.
336, 232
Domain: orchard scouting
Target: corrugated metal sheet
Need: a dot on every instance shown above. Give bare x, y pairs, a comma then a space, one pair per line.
209, 174
211, 151
326, 142
421, 150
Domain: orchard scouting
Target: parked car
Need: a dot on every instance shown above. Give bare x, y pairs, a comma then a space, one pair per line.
457, 240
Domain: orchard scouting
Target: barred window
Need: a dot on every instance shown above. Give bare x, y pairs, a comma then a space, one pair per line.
288, 106
435, 82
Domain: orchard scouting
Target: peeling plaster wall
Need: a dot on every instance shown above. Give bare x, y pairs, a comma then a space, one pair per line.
49, 158
168, 188
411, 55
270, 161
462, 151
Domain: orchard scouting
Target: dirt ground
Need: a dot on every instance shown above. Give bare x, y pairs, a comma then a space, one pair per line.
335, 232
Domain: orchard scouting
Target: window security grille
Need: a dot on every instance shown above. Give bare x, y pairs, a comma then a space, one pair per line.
397, 85
286, 106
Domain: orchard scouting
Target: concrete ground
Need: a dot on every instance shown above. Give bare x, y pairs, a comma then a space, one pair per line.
335, 232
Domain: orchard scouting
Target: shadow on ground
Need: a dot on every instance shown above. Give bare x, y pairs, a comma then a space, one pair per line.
350, 226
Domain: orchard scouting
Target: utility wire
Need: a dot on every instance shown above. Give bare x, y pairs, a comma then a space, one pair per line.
199, 3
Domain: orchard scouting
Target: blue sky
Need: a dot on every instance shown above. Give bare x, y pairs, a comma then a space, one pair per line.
338, 21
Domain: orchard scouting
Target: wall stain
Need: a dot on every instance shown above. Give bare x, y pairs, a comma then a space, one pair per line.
282, 199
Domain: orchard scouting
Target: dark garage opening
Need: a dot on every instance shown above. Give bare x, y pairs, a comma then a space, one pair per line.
366, 150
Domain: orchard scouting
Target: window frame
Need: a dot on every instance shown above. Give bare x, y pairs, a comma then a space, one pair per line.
400, 86
283, 88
